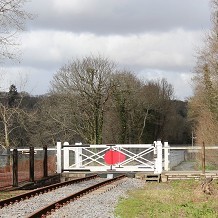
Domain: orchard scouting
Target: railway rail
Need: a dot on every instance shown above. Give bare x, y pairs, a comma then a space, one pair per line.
42, 190
47, 208
56, 205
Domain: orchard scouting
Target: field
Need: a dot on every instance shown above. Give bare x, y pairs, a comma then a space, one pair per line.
172, 199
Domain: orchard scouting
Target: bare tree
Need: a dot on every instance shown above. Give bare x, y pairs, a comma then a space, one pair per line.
87, 81
136, 103
12, 20
203, 105
125, 100
55, 120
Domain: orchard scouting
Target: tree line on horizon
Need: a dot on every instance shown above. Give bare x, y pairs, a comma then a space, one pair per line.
91, 101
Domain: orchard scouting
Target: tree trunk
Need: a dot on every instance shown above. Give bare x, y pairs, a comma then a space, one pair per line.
143, 127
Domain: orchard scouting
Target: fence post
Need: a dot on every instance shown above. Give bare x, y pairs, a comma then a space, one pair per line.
45, 162
158, 161
59, 158
166, 156
66, 156
203, 158
15, 167
31, 160
78, 155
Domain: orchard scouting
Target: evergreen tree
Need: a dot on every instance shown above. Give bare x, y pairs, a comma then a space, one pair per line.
12, 96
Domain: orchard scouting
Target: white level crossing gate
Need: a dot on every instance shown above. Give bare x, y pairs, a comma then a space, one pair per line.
128, 157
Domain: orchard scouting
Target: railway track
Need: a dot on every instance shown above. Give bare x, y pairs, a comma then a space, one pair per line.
42, 190
85, 186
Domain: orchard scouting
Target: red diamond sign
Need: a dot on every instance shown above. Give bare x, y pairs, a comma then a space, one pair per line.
112, 157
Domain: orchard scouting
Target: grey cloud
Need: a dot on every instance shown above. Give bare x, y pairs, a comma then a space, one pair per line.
121, 16
155, 37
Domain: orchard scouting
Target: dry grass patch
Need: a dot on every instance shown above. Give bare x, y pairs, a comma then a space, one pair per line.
9, 194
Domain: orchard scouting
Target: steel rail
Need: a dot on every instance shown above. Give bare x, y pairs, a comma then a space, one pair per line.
45, 189
56, 205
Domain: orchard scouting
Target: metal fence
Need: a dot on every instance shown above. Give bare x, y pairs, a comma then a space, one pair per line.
24, 161
190, 158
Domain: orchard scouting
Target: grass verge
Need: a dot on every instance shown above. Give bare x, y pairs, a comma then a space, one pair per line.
172, 199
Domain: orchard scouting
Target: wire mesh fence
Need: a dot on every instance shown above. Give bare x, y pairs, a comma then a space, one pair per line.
193, 159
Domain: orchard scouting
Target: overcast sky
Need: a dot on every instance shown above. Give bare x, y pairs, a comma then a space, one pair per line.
152, 38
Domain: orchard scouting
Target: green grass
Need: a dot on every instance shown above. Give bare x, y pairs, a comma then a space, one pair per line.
208, 166
173, 199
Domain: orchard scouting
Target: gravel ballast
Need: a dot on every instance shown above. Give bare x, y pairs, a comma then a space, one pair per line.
98, 205
28, 206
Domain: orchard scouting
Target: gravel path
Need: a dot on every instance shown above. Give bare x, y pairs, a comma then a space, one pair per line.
98, 205
24, 208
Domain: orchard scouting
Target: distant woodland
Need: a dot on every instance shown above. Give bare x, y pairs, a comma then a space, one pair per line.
91, 102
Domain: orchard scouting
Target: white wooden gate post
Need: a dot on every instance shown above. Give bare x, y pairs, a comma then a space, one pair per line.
158, 161
59, 161
166, 156
66, 156
78, 155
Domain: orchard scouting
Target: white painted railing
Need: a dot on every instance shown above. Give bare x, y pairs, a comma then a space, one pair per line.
129, 157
